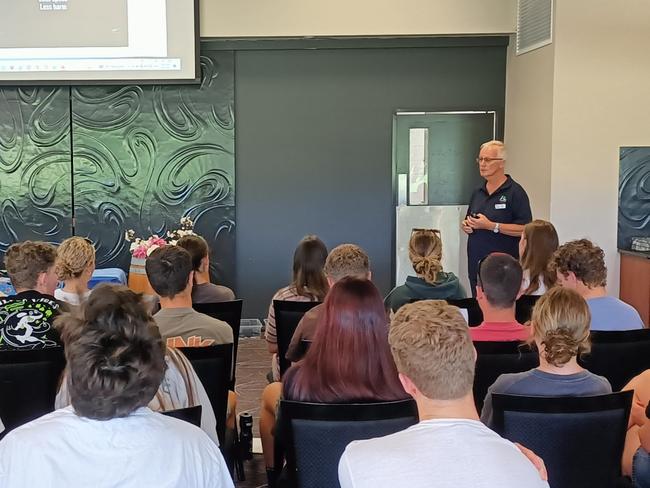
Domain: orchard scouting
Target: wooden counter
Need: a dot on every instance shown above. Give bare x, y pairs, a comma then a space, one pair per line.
635, 281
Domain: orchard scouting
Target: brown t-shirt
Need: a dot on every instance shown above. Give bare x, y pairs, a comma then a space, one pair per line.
304, 332
185, 327
211, 293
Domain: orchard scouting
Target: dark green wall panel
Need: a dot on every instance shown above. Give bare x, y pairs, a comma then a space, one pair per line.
34, 165
144, 156
314, 152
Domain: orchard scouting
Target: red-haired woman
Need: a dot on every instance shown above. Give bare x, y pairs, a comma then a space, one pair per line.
349, 359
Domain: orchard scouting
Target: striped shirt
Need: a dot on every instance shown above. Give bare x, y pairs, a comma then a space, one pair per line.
287, 293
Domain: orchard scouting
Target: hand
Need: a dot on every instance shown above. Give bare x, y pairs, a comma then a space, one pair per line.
480, 222
465, 226
537, 461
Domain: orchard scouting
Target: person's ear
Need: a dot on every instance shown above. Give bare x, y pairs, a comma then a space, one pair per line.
479, 292
190, 280
408, 385
369, 275
475, 353
41, 281
330, 281
205, 264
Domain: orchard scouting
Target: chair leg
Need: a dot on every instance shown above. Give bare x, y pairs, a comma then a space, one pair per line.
238, 457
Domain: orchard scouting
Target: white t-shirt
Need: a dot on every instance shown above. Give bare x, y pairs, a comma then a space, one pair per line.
144, 449
449, 453
525, 283
71, 298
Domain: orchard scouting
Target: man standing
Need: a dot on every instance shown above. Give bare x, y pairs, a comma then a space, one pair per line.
497, 210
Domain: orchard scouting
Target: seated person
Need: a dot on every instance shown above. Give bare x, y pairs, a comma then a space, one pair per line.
27, 318
638, 420
169, 270
641, 460
580, 265
560, 331
180, 386
309, 284
75, 263
348, 361
537, 244
497, 289
108, 437
344, 260
449, 446
203, 291
425, 253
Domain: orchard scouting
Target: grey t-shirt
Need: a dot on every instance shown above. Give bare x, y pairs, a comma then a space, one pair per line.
540, 383
185, 327
211, 293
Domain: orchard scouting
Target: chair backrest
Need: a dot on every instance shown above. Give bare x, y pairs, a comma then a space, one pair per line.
496, 358
287, 317
313, 436
618, 355
580, 439
474, 313
524, 307
229, 312
28, 384
213, 367
191, 415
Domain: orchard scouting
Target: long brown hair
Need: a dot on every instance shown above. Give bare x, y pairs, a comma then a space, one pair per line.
308, 261
541, 243
425, 253
349, 359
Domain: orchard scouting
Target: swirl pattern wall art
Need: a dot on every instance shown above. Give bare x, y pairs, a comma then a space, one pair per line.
633, 195
142, 157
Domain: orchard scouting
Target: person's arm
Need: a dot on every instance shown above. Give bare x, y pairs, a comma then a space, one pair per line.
644, 436
345, 476
270, 334
294, 349
482, 222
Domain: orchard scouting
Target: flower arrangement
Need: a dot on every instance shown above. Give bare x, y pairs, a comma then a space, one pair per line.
142, 248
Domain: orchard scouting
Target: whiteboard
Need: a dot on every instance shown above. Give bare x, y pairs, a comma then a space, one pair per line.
445, 218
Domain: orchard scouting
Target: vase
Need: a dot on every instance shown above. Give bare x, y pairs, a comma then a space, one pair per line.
138, 280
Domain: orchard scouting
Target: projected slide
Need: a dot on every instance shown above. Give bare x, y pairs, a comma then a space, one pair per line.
56, 23
97, 40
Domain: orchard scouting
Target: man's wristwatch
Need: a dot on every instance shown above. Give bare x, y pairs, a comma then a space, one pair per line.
496, 228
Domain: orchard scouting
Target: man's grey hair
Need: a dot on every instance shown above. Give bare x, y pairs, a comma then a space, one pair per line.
499, 144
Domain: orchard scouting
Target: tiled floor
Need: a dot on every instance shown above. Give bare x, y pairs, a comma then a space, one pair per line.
253, 362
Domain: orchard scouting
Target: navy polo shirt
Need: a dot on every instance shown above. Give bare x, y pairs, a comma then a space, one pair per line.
507, 205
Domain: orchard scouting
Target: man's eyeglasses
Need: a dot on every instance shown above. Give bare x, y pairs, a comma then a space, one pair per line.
487, 160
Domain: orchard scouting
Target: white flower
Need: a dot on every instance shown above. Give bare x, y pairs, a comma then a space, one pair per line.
172, 243
132, 246
152, 249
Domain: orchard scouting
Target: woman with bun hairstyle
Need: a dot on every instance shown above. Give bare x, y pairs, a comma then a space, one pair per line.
560, 331
536, 247
75, 263
431, 282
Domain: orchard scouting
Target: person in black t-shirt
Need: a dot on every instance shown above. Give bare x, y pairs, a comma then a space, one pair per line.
497, 213
26, 318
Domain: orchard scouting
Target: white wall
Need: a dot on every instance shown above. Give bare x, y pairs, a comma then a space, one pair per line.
529, 123
287, 18
601, 102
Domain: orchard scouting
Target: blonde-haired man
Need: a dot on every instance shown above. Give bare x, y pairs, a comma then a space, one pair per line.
450, 446
342, 261
497, 212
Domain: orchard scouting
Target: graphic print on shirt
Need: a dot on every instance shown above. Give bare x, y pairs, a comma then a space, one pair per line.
193, 341
26, 323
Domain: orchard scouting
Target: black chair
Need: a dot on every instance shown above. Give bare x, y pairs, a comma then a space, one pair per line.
496, 358
229, 312
28, 384
618, 355
524, 307
313, 436
287, 317
474, 313
213, 367
580, 439
191, 415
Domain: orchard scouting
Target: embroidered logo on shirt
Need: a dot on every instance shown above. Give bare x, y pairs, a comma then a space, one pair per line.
193, 341
503, 198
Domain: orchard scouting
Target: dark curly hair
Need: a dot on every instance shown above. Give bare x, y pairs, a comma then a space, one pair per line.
584, 259
115, 355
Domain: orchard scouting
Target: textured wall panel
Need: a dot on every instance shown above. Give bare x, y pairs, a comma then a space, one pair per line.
34, 165
633, 195
144, 156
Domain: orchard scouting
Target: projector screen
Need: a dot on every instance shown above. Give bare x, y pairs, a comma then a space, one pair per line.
85, 41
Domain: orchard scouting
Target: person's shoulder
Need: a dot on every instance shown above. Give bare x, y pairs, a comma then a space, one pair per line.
508, 382
285, 293
212, 293
47, 426
602, 384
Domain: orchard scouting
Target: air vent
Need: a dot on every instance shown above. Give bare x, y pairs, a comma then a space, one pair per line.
534, 24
